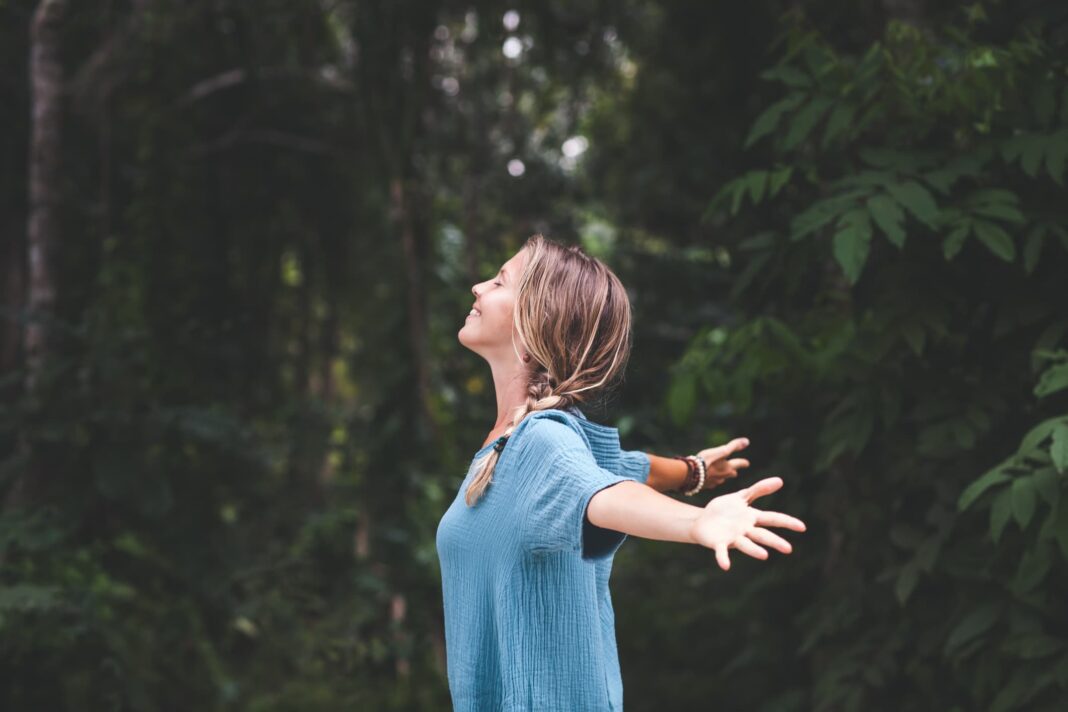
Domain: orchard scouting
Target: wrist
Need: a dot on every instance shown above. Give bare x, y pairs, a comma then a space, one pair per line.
695, 478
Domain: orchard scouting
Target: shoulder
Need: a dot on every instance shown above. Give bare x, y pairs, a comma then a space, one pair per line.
548, 431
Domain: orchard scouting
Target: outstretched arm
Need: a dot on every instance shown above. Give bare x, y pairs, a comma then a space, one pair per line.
667, 474
728, 521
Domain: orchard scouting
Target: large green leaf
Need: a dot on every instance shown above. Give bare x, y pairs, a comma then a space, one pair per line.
1056, 152
1023, 500
1000, 512
954, 241
1033, 248
838, 121
916, 199
805, 121
972, 492
852, 241
1058, 449
996, 239
769, 119
889, 216
821, 213
1052, 380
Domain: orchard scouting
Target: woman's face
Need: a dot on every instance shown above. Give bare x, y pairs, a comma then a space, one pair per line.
487, 330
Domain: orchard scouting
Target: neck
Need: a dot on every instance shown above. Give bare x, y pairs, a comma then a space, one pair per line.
510, 384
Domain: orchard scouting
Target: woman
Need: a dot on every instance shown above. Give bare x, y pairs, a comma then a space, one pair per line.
526, 546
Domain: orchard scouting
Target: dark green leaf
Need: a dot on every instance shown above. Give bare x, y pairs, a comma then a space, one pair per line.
1033, 568
915, 336
805, 121
1058, 449
1000, 511
973, 625
1056, 152
1048, 485
889, 216
821, 213
996, 239
916, 199
954, 241
757, 182
779, 178
1033, 248
1023, 500
769, 119
839, 120
1031, 157
1000, 211
990, 478
906, 582
682, 396
852, 242
1052, 380
791, 76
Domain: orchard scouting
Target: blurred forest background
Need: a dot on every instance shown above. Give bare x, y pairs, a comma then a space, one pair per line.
238, 240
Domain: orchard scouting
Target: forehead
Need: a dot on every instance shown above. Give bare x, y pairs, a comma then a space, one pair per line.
515, 265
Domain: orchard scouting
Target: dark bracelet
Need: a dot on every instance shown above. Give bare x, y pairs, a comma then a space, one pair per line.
691, 476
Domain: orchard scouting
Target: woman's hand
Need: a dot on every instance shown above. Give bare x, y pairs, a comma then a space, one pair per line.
719, 466
729, 521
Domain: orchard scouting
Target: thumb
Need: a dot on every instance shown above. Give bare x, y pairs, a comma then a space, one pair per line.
722, 558
763, 487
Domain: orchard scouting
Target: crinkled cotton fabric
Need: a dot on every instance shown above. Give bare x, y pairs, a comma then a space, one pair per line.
529, 625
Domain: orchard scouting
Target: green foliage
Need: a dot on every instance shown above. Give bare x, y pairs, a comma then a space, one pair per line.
257, 410
886, 392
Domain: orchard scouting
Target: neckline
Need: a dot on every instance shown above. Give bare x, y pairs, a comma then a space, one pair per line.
573, 412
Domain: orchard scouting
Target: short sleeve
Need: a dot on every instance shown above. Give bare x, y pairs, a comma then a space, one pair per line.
563, 478
634, 464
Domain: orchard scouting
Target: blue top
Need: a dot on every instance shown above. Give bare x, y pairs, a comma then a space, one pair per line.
529, 625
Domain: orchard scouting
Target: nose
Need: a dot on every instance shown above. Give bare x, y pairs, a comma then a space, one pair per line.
474, 290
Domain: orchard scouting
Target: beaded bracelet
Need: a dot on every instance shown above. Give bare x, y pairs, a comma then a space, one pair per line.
691, 473
695, 477
701, 466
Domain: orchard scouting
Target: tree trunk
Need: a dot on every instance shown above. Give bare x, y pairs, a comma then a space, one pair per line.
403, 210
46, 80
42, 230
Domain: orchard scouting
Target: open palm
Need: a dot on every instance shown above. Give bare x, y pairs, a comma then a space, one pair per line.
729, 521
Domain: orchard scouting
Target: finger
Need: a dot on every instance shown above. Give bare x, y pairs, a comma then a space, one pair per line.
738, 462
722, 451
747, 547
725, 468
778, 519
767, 538
722, 558
764, 487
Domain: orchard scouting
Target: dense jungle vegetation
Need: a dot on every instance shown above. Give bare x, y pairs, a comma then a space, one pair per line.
238, 240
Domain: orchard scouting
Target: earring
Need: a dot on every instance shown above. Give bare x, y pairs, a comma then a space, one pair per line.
526, 357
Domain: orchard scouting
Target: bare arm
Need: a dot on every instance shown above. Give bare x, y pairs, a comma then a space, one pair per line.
639, 510
667, 474
725, 522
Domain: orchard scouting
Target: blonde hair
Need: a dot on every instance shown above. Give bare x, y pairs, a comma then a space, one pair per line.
573, 315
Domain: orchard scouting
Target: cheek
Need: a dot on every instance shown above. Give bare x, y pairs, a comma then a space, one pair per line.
499, 312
